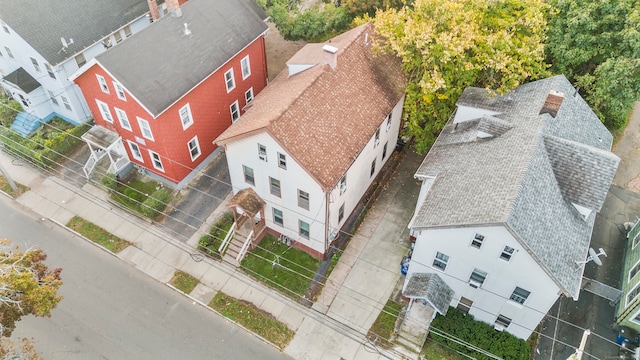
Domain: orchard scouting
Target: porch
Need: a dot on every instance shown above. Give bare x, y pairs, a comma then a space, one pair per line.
104, 143
248, 226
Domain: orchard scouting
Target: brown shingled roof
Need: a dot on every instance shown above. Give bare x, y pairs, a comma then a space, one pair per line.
324, 117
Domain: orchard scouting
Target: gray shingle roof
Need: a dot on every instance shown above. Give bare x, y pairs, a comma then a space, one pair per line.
430, 287
23, 80
160, 64
527, 177
43, 23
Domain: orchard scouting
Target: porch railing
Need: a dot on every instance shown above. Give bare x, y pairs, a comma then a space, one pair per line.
227, 240
245, 247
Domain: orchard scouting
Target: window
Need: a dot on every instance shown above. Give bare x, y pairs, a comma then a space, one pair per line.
185, 116
303, 229
389, 121
464, 305
9, 53
156, 161
384, 150
65, 102
246, 67
127, 31
104, 111
194, 148
36, 66
507, 253
519, 295
477, 278
274, 186
248, 175
50, 70
248, 96
277, 217
117, 36
282, 161
477, 240
235, 111
135, 151
373, 167
303, 199
52, 97
145, 129
343, 184
633, 294
119, 91
229, 81
636, 240
502, 322
5, 28
341, 213
441, 260
124, 119
103, 84
377, 138
262, 152
634, 270
636, 318
80, 59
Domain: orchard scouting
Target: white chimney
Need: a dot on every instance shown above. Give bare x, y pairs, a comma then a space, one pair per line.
330, 56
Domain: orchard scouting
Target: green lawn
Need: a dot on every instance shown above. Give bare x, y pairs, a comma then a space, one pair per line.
133, 194
382, 328
210, 242
252, 318
288, 269
97, 234
434, 351
4, 186
183, 281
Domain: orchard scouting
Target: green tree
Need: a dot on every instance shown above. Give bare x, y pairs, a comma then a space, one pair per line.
27, 285
596, 44
446, 46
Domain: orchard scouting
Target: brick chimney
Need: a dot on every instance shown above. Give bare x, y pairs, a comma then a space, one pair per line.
330, 56
153, 10
174, 7
552, 103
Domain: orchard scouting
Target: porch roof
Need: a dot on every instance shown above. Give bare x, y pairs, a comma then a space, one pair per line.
23, 80
101, 136
431, 288
248, 200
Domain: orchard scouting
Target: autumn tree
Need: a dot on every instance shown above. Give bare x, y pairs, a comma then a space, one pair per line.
23, 349
27, 285
596, 44
448, 45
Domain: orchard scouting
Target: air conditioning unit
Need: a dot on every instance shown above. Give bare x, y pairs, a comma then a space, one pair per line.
474, 284
263, 157
498, 327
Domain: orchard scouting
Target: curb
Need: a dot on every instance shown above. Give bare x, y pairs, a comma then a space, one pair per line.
83, 237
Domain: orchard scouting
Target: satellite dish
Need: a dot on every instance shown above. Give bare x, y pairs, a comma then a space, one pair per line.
64, 42
593, 256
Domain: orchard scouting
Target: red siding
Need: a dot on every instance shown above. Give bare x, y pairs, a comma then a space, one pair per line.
209, 103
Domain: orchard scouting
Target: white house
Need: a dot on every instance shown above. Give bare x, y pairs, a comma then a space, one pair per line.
44, 42
317, 136
510, 191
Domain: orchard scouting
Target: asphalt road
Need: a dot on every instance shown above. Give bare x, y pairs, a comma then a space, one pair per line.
112, 311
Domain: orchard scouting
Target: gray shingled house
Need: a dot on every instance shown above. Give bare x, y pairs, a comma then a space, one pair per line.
509, 195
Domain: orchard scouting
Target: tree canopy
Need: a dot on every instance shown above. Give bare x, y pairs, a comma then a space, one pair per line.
596, 44
27, 285
446, 46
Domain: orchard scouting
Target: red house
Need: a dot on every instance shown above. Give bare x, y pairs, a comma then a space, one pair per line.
162, 97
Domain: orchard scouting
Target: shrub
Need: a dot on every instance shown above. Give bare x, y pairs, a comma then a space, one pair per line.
109, 181
155, 203
210, 242
8, 111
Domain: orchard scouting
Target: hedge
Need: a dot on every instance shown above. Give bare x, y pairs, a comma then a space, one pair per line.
155, 203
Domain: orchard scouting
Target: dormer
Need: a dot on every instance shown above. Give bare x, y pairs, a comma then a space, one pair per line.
466, 113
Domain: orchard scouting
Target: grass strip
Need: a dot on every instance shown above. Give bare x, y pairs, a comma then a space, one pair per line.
382, 329
183, 281
4, 186
97, 234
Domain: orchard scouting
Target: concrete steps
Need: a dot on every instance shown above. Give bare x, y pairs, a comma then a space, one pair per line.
25, 123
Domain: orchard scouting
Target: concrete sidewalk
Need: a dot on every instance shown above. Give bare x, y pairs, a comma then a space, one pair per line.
330, 330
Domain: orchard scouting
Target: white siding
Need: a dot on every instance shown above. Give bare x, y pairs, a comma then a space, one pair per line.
492, 298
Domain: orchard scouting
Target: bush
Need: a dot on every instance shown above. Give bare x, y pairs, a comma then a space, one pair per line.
210, 242
8, 111
109, 181
155, 203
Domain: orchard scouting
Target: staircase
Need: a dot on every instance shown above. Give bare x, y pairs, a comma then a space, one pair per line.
415, 327
234, 248
25, 123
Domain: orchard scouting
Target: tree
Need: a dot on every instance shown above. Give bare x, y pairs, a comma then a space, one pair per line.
596, 44
27, 285
448, 45
22, 351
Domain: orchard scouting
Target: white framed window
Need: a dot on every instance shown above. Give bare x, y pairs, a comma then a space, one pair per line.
103, 84
633, 294
464, 305
477, 278
507, 253
303, 229
156, 161
80, 59
278, 219
376, 140
107, 42
634, 270
341, 212
50, 70
5, 28
235, 111
36, 66
635, 318
636, 240
117, 36
274, 187
9, 52
123, 118
282, 161
477, 240
52, 97
389, 121
303, 199
343, 184
373, 167
119, 91
519, 295
104, 111
440, 261
384, 150
65, 102
248, 96
262, 152
248, 175
194, 148
229, 80
145, 129
135, 151
246, 67
127, 31
502, 322
185, 116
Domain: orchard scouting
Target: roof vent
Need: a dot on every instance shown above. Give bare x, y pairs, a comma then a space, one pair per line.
552, 103
330, 56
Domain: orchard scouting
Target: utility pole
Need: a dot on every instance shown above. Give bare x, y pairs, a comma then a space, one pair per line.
580, 350
6, 175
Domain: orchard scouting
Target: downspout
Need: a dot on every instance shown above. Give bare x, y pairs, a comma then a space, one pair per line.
326, 222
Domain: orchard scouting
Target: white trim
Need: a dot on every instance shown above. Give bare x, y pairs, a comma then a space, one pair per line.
133, 153
119, 89
197, 147
153, 162
233, 80
102, 83
148, 127
249, 91
244, 77
626, 296
629, 273
104, 111
635, 315
234, 104
189, 122
122, 114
